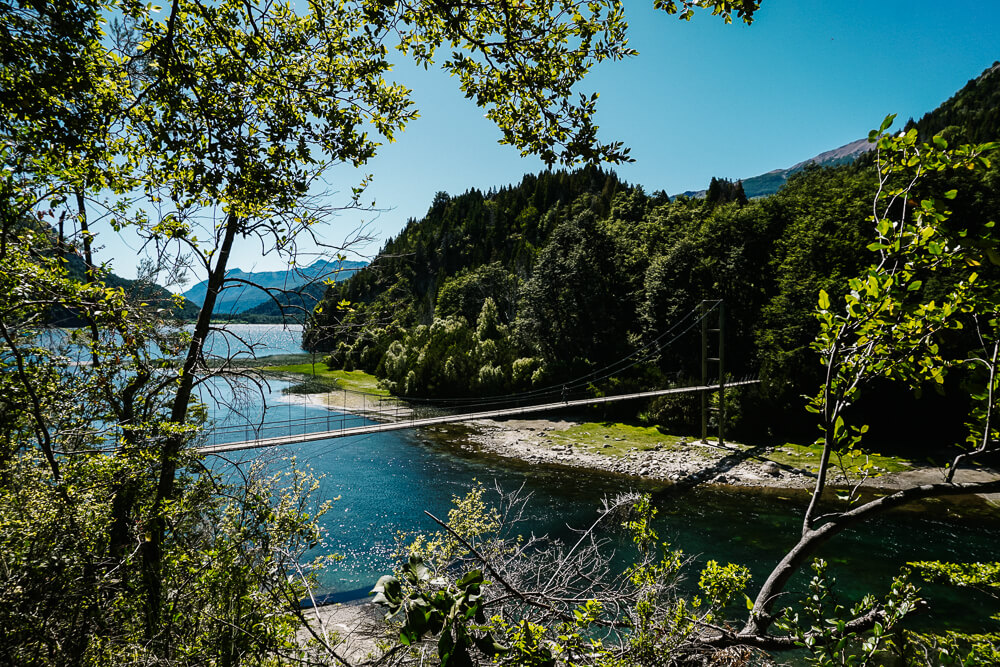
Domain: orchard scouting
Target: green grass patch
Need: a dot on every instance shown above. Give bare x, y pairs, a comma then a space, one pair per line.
315, 385
808, 457
618, 439
615, 438
350, 380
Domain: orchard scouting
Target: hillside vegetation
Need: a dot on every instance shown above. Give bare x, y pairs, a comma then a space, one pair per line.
546, 282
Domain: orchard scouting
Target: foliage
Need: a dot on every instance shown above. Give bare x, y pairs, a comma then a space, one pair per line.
821, 626
930, 277
644, 263
489, 595
445, 611
465, 249
969, 116
923, 312
952, 647
982, 576
724, 191
196, 125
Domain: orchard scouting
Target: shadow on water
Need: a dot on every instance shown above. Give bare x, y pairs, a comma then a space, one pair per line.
756, 527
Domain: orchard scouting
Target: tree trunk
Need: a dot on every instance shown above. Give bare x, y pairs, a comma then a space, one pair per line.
173, 444
761, 616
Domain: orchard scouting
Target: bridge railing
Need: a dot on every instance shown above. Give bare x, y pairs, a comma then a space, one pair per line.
383, 410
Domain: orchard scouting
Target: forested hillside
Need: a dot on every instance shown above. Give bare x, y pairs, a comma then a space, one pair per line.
72, 259
972, 115
563, 274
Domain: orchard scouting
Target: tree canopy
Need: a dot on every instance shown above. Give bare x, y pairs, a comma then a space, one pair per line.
196, 124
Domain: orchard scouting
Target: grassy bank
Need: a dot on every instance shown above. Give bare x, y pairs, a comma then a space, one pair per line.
358, 381
620, 439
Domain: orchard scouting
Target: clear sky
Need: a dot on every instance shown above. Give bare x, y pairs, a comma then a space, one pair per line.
701, 99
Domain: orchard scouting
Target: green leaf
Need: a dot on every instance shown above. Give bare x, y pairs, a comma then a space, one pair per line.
473, 577
387, 591
824, 300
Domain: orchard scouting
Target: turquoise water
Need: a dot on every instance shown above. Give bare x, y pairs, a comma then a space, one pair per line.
386, 481
239, 341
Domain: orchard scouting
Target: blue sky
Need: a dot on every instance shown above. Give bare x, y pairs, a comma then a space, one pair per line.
701, 99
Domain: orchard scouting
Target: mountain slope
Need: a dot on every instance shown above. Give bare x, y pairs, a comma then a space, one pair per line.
240, 297
140, 291
769, 183
972, 115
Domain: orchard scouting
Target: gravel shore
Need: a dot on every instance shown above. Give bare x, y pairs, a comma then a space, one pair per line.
683, 461
687, 461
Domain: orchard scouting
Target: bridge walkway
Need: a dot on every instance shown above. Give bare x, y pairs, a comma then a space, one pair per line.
400, 425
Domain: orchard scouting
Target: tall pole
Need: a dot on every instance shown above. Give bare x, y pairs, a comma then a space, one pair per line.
722, 373
704, 370
720, 362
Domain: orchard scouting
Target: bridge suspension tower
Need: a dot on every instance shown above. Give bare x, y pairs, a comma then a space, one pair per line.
713, 352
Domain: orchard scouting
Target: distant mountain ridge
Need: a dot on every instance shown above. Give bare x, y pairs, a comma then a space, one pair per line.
771, 182
972, 115
238, 298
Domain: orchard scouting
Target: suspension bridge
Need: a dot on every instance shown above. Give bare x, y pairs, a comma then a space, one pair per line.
388, 418
395, 415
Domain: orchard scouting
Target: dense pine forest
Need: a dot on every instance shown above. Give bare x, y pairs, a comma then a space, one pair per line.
543, 282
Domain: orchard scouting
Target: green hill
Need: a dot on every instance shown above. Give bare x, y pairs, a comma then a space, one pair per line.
139, 291
972, 115
555, 280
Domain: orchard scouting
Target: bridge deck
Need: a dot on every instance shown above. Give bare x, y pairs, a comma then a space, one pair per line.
449, 419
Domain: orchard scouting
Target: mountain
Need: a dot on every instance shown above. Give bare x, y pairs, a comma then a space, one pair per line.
240, 297
139, 291
972, 115
771, 182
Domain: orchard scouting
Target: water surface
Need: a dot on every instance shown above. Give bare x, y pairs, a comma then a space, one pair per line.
386, 481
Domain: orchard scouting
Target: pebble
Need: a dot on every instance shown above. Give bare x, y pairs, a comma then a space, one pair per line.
770, 468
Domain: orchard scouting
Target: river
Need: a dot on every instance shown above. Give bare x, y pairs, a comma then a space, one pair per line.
385, 482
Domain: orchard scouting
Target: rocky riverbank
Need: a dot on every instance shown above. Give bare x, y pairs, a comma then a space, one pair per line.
648, 453
688, 461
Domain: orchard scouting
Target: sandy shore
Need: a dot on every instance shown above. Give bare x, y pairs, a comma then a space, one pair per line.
353, 403
352, 630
